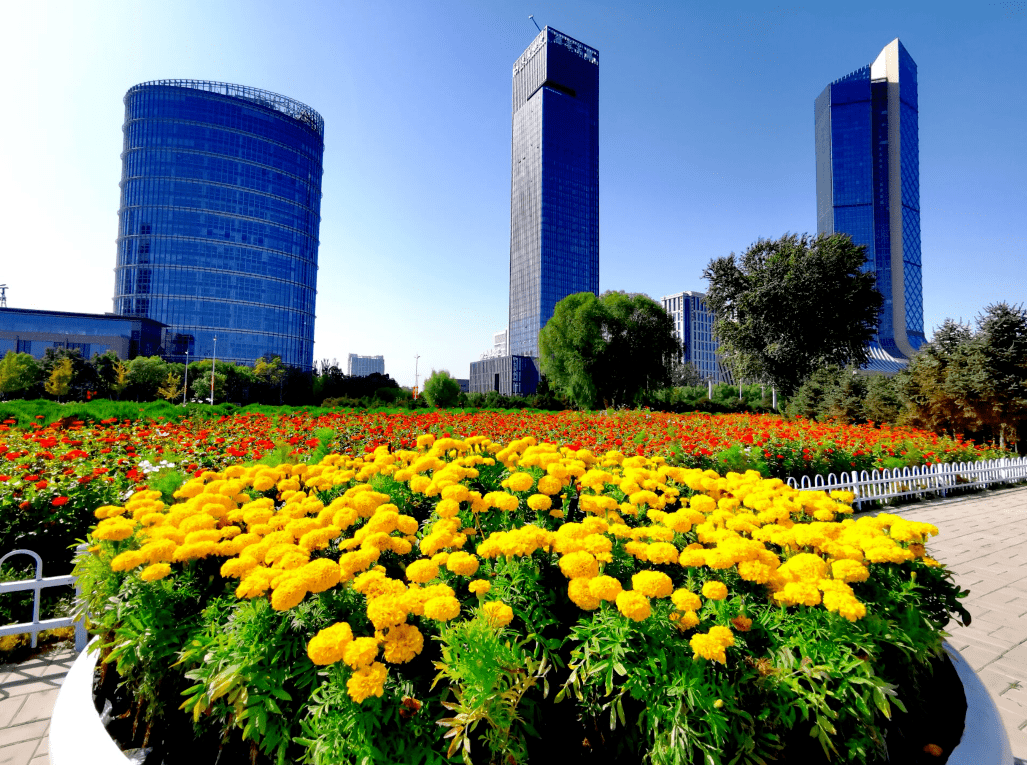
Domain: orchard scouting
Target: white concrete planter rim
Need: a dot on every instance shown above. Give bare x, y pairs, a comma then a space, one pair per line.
78, 738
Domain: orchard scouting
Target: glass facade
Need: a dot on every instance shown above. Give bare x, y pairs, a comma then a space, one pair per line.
32, 331
554, 196
868, 184
693, 326
508, 375
219, 219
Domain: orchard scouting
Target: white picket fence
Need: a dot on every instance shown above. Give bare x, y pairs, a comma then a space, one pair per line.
937, 479
38, 584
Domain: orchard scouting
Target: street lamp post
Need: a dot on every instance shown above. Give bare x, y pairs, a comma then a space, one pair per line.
415, 375
213, 364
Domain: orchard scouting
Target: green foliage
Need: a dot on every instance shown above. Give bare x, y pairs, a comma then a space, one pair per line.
171, 389
440, 389
146, 374
201, 388
788, 307
59, 382
18, 373
608, 350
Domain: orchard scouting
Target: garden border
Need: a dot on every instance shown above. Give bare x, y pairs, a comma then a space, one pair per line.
36, 626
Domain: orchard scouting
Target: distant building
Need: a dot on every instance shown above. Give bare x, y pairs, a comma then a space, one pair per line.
219, 219
868, 186
693, 327
362, 366
509, 375
465, 384
24, 330
500, 344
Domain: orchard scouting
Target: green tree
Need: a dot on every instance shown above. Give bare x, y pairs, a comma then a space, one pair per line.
59, 382
441, 389
607, 350
105, 366
200, 387
1002, 342
883, 402
19, 372
120, 378
171, 389
270, 371
790, 306
146, 374
684, 375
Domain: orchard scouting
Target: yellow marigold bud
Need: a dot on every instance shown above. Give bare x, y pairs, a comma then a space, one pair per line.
497, 613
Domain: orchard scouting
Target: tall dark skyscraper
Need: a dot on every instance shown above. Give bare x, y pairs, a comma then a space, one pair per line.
868, 184
219, 219
554, 190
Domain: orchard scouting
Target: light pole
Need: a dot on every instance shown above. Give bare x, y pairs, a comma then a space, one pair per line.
213, 364
185, 385
416, 357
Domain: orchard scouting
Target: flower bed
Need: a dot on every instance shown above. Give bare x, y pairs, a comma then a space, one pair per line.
464, 598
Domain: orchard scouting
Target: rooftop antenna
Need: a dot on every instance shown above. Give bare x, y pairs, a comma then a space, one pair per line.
531, 18
3, 295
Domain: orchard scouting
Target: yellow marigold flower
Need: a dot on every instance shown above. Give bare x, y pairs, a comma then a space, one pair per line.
237, 568
755, 571
421, 571
798, 593
849, 571
320, 575
687, 620
708, 647
128, 560
462, 563
652, 584
520, 481
114, 529
804, 567
497, 613
402, 643
549, 484
598, 545
714, 590
692, 557
447, 508
579, 565
197, 522
580, 594
366, 682
723, 635
155, 571
329, 645
386, 611
662, 552
203, 535
194, 551
442, 608
539, 502
634, 605
289, 592
685, 600
360, 652
605, 587
479, 587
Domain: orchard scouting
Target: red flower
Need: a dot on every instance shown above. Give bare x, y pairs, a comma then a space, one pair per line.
40, 485
58, 501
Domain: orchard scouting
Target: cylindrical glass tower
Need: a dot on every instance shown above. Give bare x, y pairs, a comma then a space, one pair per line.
218, 226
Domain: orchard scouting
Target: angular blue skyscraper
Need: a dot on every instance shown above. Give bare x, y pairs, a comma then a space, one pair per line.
554, 195
219, 219
868, 186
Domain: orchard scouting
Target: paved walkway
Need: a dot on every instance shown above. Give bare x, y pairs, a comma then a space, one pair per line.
983, 540
27, 694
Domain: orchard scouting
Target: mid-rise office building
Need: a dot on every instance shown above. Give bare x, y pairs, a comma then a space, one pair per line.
219, 219
362, 366
554, 189
31, 331
868, 186
693, 327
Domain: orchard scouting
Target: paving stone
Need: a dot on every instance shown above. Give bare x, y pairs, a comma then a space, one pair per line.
38, 706
32, 731
18, 754
9, 708
43, 759
44, 746
29, 685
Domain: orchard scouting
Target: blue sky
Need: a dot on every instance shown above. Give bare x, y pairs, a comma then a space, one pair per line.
705, 130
